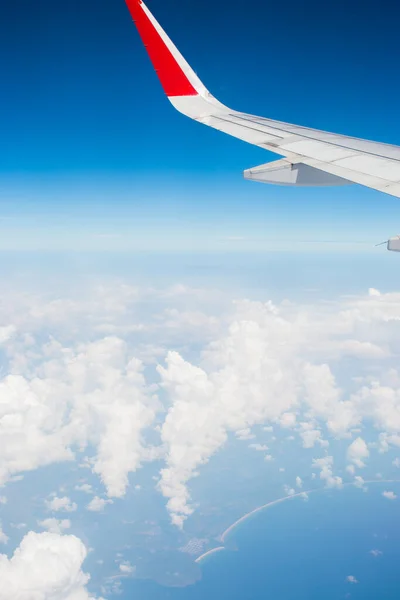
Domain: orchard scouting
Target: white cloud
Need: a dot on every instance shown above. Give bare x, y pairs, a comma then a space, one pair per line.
374, 292
245, 434
259, 447
357, 452
276, 366
46, 566
54, 525
389, 495
84, 487
359, 482
299, 482
64, 393
126, 567
351, 579
386, 441
244, 385
326, 473
396, 463
29, 415
115, 399
63, 504
98, 504
310, 437
94, 394
376, 553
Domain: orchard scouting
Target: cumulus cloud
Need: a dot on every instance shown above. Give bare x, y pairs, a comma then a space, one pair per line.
98, 504
31, 432
84, 487
279, 366
259, 447
325, 465
94, 394
357, 452
351, 579
387, 441
359, 482
245, 434
126, 568
389, 495
310, 437
45, 566
63, 504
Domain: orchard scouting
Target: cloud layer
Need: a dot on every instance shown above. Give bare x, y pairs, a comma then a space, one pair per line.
78, 381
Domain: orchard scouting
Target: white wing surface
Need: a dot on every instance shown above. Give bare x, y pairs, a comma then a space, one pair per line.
311, 157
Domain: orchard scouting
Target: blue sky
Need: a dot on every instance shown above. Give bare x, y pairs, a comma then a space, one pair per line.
93, 155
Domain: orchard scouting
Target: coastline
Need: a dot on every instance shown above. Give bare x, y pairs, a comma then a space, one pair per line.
259, 509
273, 503
208, 553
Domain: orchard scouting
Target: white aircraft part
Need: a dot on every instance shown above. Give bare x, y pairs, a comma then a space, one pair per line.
394, 244
283, 172
313, 157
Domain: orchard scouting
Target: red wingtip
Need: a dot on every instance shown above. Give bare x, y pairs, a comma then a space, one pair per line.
172, 78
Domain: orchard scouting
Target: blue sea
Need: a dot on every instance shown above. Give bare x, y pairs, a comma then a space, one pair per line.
303, 550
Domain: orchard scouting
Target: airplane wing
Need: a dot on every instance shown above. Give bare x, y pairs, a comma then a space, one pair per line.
311, 157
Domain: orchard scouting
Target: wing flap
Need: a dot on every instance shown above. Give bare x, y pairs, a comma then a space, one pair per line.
284, 172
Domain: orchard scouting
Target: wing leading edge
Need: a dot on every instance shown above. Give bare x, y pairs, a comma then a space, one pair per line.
311, 157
